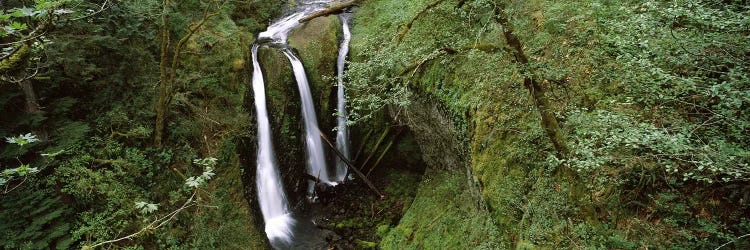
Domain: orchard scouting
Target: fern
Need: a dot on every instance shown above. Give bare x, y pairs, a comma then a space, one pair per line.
34, 220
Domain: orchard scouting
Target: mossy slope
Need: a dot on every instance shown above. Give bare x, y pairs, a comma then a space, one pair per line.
445, 61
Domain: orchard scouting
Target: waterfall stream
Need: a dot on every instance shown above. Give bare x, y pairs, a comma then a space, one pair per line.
280, 227
271, 197
316, 164
342, 130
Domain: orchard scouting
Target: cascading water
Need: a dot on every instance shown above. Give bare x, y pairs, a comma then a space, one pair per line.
342, 130
278, 33
279, 30
316, 164
273, 202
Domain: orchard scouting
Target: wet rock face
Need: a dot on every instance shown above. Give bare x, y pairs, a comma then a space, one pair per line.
436, 135
447, 211
443, 146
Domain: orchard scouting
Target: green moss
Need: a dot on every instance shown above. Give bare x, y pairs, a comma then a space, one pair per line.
590, 54
382, 230
442, 217
361, 244
353, 223
16, 61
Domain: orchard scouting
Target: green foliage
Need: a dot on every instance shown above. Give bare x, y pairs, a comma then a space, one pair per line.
22, 140
145, 207
8, 174
33, 219
603, 139
197, 181
96, 93
652, 95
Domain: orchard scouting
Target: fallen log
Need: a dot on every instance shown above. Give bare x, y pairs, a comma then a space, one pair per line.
334, 8
351, 166
382, 154
362, 145
377, 146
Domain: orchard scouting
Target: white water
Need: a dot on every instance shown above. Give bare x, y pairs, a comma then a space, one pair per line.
273, 203
316, 165
271, 197
279, 31
342, 130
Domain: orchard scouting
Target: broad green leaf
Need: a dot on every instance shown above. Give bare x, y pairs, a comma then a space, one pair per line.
193, 182
145, 207
28, 11
18, 26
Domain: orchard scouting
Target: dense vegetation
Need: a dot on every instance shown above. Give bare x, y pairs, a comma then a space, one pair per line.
648, 142
82, 76
543, 124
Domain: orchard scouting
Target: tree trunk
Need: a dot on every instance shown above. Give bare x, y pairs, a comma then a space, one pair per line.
537, 91
161, 103
32, 105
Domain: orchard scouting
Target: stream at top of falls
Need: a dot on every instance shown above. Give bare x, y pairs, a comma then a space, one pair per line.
284, 230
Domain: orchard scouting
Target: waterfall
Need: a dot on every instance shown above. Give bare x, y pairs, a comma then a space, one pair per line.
278, 34
271, 197
316, 165
273, 203
342, 131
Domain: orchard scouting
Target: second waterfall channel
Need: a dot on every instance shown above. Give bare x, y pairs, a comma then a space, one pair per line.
281, 227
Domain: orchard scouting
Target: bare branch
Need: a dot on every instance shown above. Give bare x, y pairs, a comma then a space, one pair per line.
16, 49
723, 245
161, 222
6, 191
351, 166
101, 8
42, 29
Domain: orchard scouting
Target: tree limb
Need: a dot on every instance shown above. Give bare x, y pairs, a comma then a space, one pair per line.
163, 77
101, 8
15, 49
14, 187
382, 154
183, 40
484, 47
376, 147
408, 25
351, 166
334, 8
537, 90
